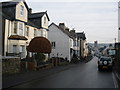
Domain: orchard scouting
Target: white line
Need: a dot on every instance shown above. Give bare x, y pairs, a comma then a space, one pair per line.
115, 81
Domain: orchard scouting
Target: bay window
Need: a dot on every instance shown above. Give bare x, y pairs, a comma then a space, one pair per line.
35, 32
15, 28
27, 31
21, 29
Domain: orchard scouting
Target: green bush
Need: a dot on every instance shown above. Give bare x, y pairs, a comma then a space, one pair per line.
74, 59
39, 57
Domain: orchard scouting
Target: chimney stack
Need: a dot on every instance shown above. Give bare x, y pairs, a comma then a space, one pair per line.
67, 29
73, 30
62, 26
30, 11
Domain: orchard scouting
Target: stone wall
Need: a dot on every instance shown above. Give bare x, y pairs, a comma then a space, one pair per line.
10, 66
28, 66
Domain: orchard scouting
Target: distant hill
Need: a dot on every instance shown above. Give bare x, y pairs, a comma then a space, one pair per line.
101, 44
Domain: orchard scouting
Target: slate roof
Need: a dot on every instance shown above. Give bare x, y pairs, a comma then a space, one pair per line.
4, 15
38, 15
32, 24
81, 35
8, 8
64, 31
13, 3
9, 4
72, 32
8, 12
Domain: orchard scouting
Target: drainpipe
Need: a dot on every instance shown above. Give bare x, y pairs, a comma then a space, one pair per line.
80, 47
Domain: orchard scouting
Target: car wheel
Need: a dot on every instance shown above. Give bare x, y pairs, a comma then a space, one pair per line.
110, 68
99, 69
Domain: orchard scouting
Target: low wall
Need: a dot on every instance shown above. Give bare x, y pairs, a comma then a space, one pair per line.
25, 66
10, 65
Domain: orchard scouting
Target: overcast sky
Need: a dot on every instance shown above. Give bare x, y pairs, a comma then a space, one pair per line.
97, 18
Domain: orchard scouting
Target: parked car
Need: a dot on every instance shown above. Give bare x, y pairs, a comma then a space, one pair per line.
98, 55
105, 63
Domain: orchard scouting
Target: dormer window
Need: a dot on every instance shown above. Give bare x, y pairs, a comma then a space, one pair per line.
21, 10
44, 20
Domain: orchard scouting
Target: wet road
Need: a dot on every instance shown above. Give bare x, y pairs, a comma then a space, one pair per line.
79, 76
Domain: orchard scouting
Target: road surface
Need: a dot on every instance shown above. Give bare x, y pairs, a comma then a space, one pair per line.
84, 75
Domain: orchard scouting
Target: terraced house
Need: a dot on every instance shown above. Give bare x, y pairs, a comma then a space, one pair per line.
66, 42
20, 25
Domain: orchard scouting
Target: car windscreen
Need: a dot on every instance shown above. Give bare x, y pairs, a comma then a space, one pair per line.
105, 59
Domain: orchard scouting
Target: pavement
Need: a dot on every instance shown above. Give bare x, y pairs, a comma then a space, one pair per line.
17, 79
117, 80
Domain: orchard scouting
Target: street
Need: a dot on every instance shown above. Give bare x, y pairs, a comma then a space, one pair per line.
85, 75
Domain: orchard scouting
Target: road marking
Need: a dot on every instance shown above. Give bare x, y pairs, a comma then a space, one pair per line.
115, 81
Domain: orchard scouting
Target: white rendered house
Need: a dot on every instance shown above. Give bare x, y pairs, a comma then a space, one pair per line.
61, 41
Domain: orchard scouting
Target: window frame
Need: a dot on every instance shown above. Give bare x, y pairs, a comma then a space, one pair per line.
15, 28
21, 10
53, 44
35, 32
14, 48
27, 31
20, 28
45, 20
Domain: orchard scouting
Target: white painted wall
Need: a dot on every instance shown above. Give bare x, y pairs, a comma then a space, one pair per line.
85, 48
6, 35
62, 42
45, 25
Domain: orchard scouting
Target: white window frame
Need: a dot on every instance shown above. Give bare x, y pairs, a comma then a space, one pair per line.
44, 33
21, 10
15, 28
39, 33
14, 48
27, 31
22, 50
35, 32
20, 28
44, 20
